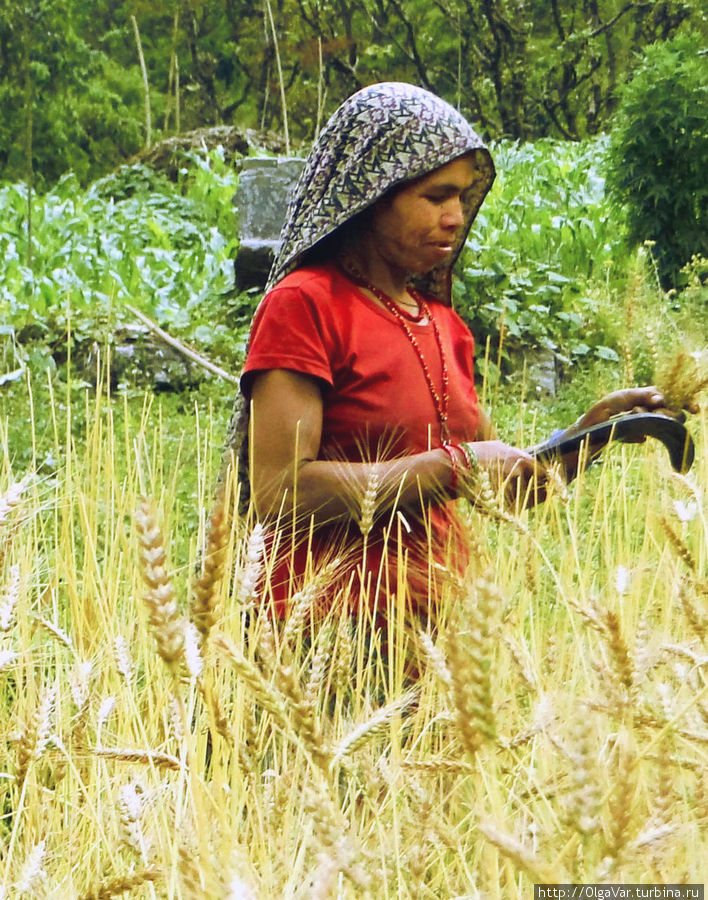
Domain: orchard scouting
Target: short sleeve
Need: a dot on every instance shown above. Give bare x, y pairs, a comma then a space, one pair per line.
288, 333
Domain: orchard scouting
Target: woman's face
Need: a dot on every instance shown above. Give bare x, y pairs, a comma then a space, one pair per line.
416, 228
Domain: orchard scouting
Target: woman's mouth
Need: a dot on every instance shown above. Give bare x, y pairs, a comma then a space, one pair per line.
442, 247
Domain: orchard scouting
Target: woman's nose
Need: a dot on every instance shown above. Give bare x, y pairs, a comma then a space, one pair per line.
453, 215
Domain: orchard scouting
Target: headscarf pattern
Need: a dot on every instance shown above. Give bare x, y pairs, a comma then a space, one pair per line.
382, 136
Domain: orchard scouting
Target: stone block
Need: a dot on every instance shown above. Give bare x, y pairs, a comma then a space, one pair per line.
264, 188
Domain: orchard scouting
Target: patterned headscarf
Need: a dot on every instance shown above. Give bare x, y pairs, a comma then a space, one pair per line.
383, 135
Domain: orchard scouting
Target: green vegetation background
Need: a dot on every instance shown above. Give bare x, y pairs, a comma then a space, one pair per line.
75, 76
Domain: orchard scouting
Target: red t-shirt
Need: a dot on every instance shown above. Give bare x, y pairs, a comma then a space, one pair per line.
376, 405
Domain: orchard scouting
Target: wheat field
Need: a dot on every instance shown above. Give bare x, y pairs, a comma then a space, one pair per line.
162, 739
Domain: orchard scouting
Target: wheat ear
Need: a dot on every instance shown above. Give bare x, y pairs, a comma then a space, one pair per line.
147, 757
584, 798
306, 723
621, 800
619, 649
367, 509
8, 502
679, 545
470, 651
303, 601
520, 855
368, 730
11, 499
204, 591
160, 596
122, 885
12, 595
264, 692
252, 568
32, 871
36, 735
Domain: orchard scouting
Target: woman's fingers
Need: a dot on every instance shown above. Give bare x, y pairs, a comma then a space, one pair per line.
526, 485
629, 400
513, 472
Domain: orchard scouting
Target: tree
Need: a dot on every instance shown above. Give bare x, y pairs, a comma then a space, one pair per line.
520, 69
79, 103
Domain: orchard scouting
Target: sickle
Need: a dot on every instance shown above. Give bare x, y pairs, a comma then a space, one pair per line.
672, 434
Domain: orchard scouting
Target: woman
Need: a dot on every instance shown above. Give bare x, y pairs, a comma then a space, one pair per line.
364, 421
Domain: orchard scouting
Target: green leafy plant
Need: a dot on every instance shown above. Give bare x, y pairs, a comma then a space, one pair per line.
656, 164
540, 249
132, 237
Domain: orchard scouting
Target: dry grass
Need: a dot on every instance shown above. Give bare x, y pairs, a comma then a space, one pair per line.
558, 730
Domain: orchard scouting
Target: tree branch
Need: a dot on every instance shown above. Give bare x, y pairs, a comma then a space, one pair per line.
182, 348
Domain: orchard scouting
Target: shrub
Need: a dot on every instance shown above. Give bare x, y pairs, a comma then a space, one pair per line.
658, 151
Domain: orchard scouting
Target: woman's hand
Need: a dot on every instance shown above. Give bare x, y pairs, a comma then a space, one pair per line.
512, 471
623, 402
628, 400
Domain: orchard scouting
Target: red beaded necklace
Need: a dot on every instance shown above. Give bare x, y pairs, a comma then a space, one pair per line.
440, 400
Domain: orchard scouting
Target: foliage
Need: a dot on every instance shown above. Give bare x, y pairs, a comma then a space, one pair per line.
541, 249
64, 104
522, 71
658, 153
544, 265
132, 237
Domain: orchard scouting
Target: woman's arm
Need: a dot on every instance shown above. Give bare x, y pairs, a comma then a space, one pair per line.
286, 425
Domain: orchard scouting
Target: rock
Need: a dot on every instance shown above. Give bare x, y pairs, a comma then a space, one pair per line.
139, 359
168, 155
541, 374
262, 197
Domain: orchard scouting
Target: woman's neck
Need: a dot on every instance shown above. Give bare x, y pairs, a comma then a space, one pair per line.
366, 262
